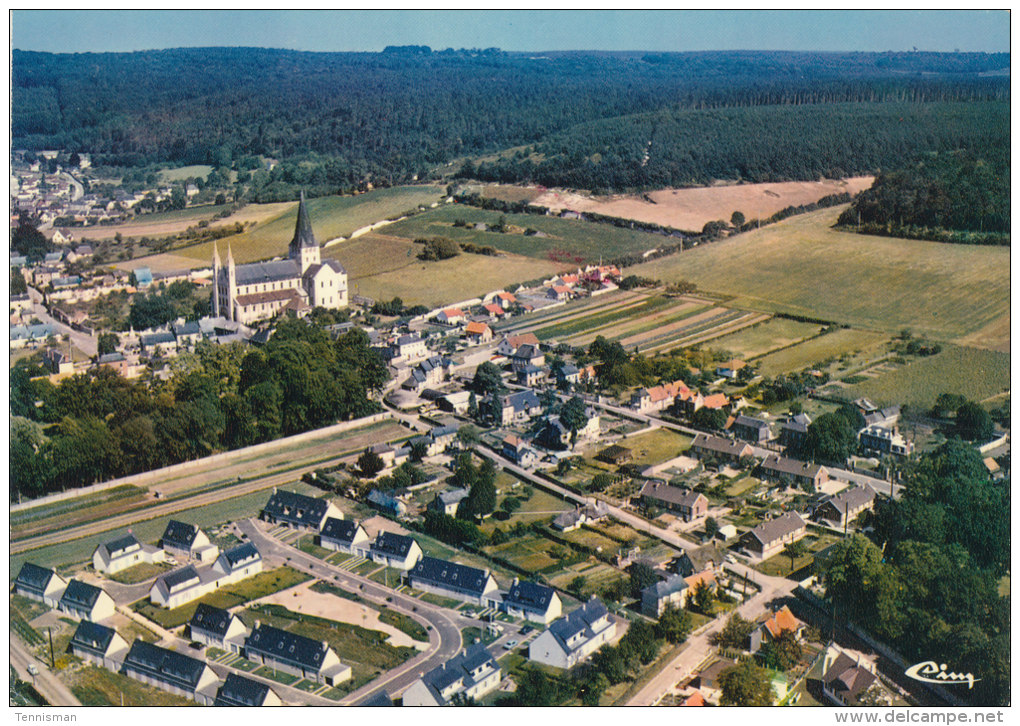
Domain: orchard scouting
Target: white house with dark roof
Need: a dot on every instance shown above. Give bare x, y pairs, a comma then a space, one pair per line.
217, 628
473, 674
83, 601
408, 348
395, 550
527, 355
124, 552
770, 537
99, 645
573, 638
532, 601
237, 563
180, 586
40, 583
187, 542
430, 372
245, 692
450, 579
449, 501
344, 535
299, 511
171, 671
845, 677
311, 659
509, 344
657, 597
517, 407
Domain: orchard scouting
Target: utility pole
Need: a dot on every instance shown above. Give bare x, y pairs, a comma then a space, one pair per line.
53, 663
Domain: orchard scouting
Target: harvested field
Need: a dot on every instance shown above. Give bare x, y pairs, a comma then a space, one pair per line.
764, 337
690, 209
804, 267
167, 224
816, 350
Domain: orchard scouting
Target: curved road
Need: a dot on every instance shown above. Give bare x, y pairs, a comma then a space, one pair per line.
444, 637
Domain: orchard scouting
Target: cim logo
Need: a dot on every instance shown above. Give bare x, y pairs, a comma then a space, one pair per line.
931, 672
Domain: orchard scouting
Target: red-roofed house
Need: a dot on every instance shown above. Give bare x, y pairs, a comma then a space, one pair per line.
494, 310
505, 300
559, 292
510, 343
451, 316
478, 332
783, 620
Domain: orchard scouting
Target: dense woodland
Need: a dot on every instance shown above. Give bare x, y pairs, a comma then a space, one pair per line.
953, 197
341, 119
97, 426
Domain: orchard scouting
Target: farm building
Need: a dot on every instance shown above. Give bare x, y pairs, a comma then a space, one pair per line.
573, 638
769, 537
473, 674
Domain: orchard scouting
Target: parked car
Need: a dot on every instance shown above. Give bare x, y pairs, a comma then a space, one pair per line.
510, 644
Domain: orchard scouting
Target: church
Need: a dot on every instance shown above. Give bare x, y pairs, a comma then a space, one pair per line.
258, 291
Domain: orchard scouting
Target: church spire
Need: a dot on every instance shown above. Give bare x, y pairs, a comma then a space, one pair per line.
303, 235
215, 255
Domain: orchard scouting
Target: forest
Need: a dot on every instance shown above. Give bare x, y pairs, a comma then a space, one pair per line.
341, 119
97, 425
960, 196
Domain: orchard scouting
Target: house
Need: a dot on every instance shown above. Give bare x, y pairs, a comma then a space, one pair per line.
681, 565
588, 514
187, 334
409, 348
450, 579
509, 344
769, 537
691, 401
217, 628
517, 450
494, 310
379, 698
657, 398
344, 535
395, 550
143, 277
181, 586
451, 316
527, 355
793, 432
845, 678
558, 292
159, 343
124, 552
573, 638
689, 504
291, 653
532, 601
40, 583
873, 416
430, 372
615, 455
240, 691
448, 502
656, 598
840, 510
472, 674
386, 502
801, 473
83, 601
517, 407
171, 671
568, 375
187, 542
707, 681
22, 335
881, 440
237, 563
530, 376
56, 362
709, 446
98, 645
299, 511
505, 300
730, 369
751, 429
781, 621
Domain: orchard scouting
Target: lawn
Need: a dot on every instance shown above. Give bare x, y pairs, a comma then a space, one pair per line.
564, 240
183, 172
95, 686
532, 553
404, 623
331, 217
139, 573
279, 676
252, 588
779, 565
803, 266
597, 575
972, 372
307, 545
443, 602
655, 447
764, 337
739, 486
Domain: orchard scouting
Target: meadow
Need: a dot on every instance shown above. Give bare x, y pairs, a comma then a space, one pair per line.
804, 267
815, 350
767, 336
972, 372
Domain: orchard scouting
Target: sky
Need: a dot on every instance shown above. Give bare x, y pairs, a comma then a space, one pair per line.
78, 31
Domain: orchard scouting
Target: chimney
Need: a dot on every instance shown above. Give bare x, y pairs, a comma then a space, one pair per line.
325, 645
258, 624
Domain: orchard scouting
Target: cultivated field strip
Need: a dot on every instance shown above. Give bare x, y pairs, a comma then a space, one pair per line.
696, 322
559, 314
602, 320
743, 320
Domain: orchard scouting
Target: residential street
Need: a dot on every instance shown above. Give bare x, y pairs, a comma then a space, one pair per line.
48, 685
85, 343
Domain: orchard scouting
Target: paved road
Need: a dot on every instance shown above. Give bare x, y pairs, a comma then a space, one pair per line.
85, 343
77, 189
55, 692
698, 645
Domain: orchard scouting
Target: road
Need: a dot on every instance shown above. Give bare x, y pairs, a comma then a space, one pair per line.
698, 646
77, 189
49, 687
85, 343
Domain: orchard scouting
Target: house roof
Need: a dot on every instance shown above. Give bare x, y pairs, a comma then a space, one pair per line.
494, 309
458, 668
186, 328
476, 328
295, 507
165, 665
157, 338
665, 588
614, 452
522, 400
722, 446
517, 341
381, 698
774, 529
93, 637
674, 495
80, 595
303, 235
242, 553
34, 577
846, 678
210, 619
793, 467
755, 423
453, 312
384, 500
122, 545
530, 595
851, 498
240, 691
452, 496
705, 576
450, 574
782, 620
716, 400
579, 621
528, 351
391, 544
176, 578
285, 646
342, 530
179, 534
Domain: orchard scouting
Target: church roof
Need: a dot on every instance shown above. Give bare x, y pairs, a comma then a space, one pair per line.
260, 272
303, 235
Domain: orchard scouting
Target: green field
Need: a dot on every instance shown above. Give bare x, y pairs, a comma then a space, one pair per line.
764, 337
95, 686
331, 217
565, 240
974, 373
802, 266
183, 172
816, 350
655, 447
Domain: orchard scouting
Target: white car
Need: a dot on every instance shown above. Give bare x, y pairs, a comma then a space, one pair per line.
509, 644
33, 669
